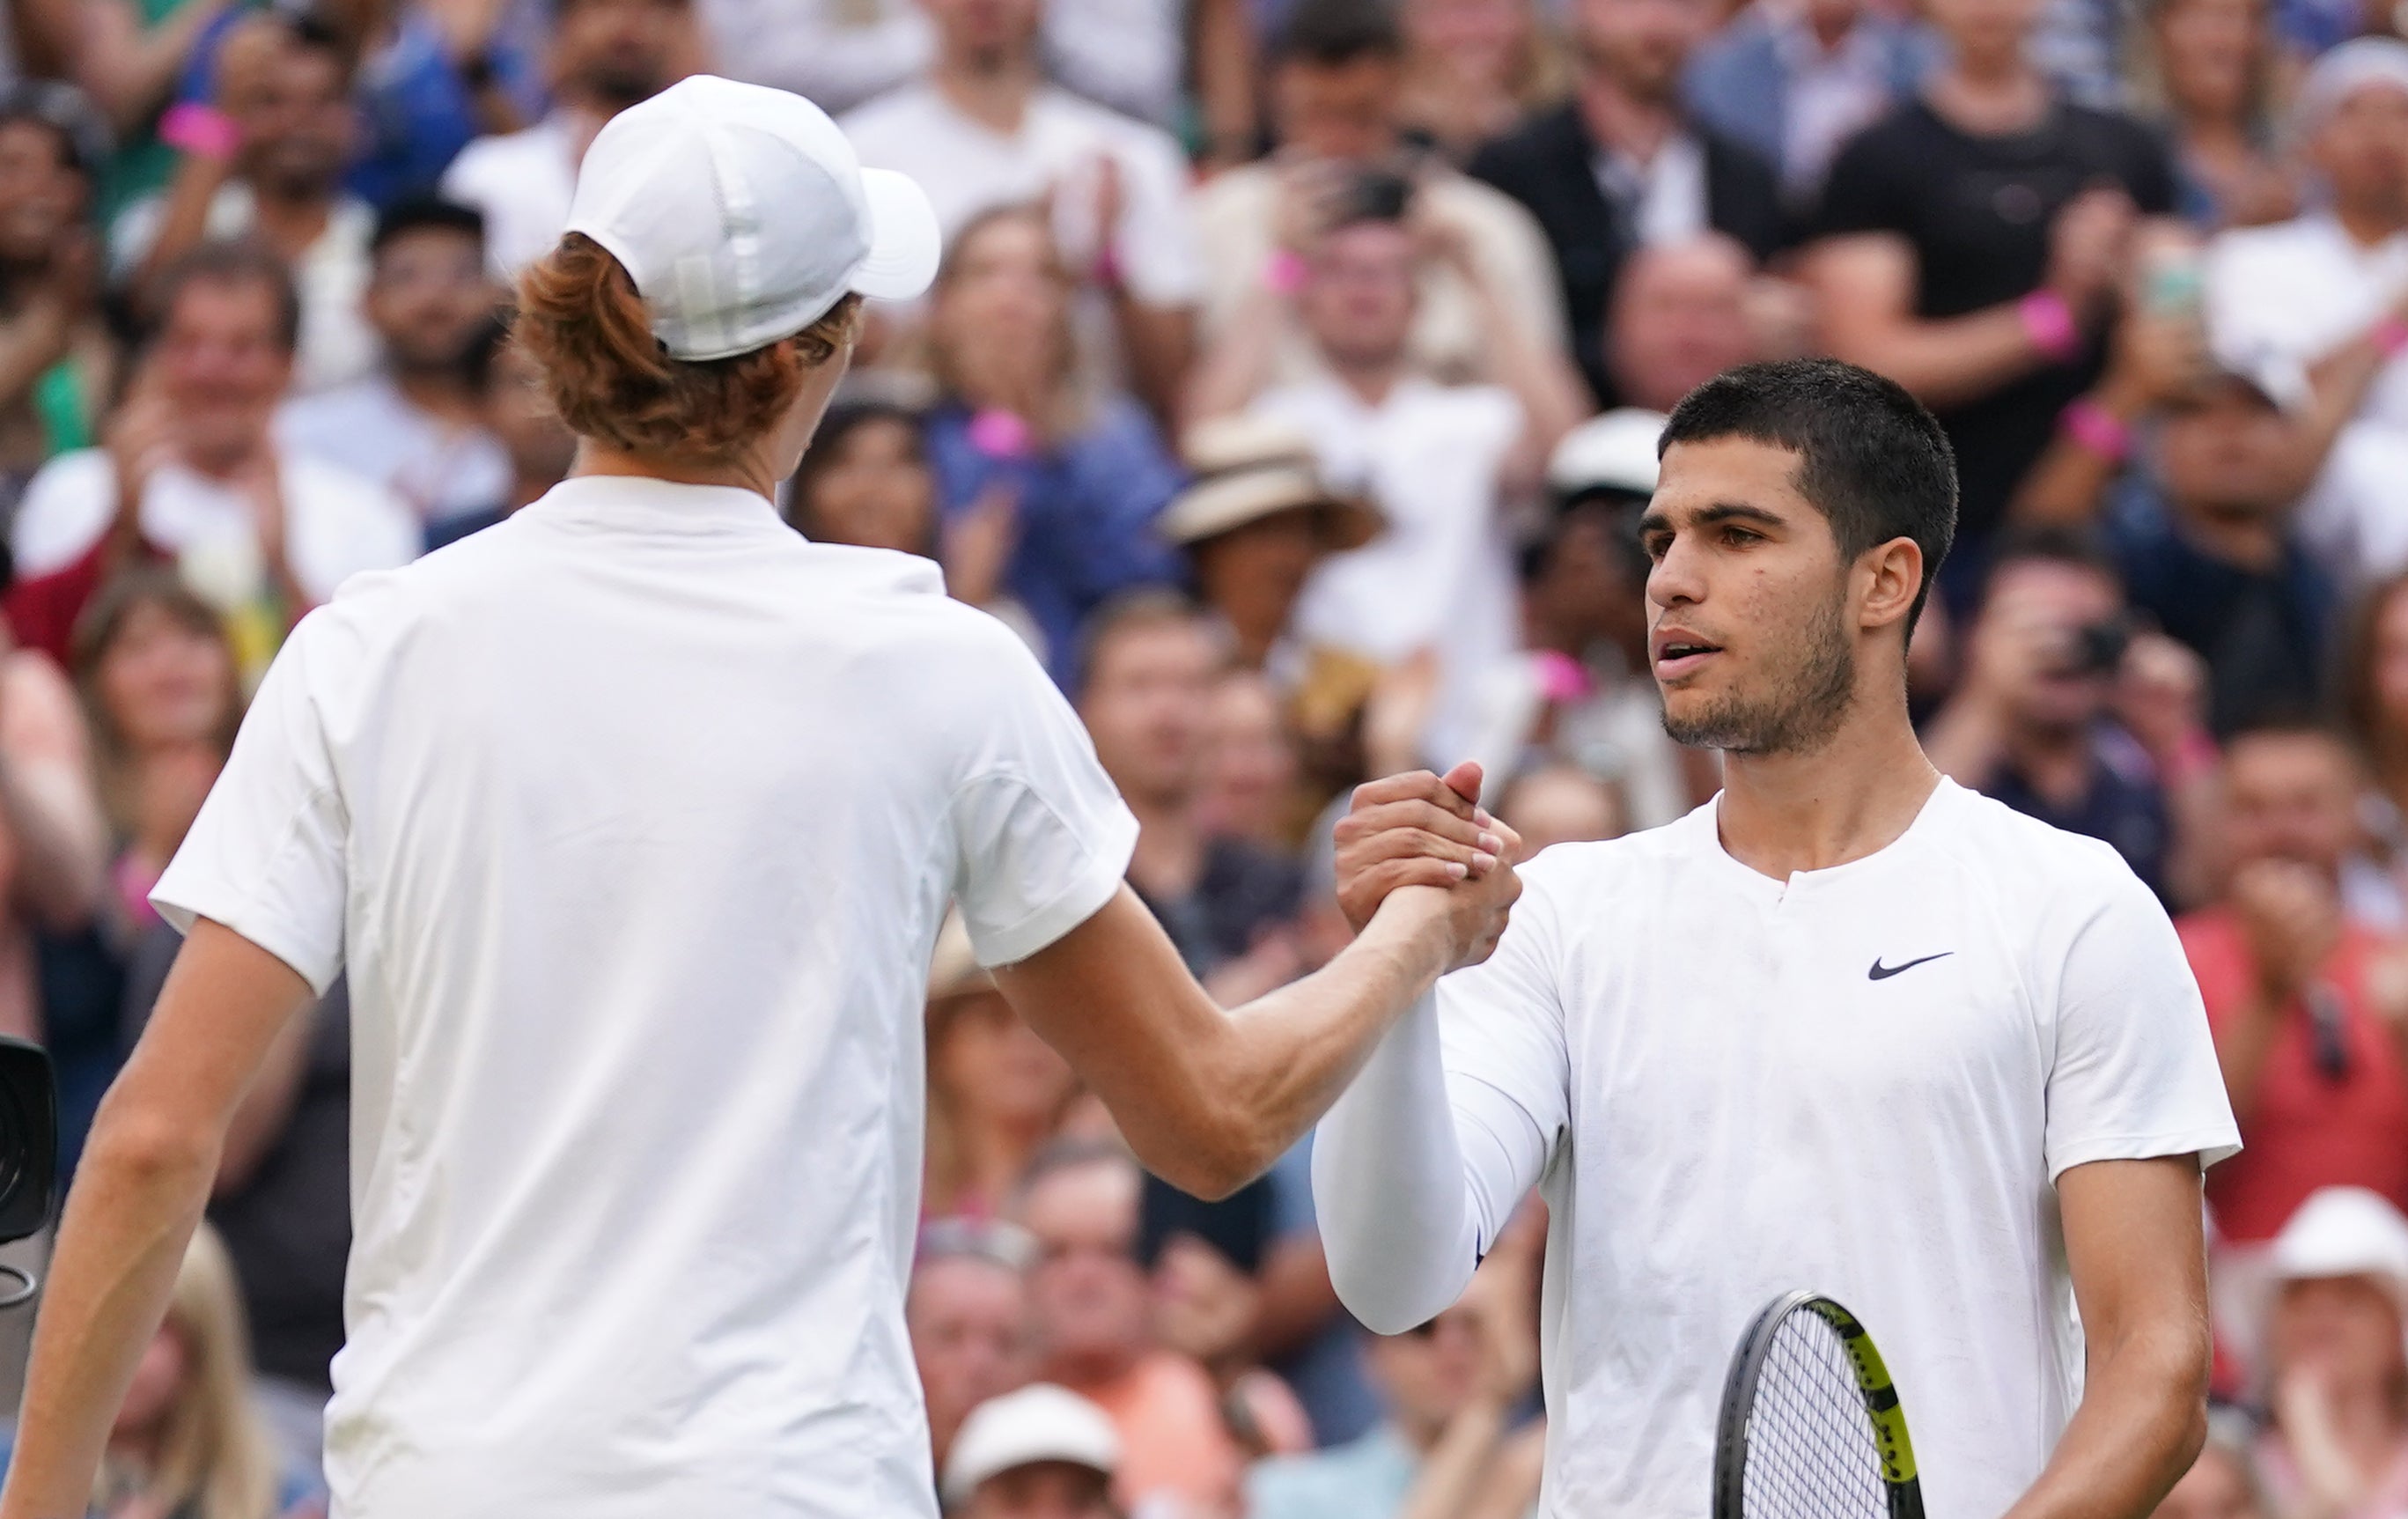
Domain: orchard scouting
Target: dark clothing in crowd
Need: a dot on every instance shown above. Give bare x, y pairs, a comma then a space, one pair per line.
1244, 892
2121, 806
1550, 166
1976, 211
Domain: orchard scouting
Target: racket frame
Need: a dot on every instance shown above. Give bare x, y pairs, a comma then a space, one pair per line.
1887, 1416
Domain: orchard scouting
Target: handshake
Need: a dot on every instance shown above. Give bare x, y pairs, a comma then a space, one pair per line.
1420, 846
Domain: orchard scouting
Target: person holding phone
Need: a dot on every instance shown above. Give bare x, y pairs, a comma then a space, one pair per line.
632, 821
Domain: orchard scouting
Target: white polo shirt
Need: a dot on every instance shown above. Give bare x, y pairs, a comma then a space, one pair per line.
1864, 1080
632, 821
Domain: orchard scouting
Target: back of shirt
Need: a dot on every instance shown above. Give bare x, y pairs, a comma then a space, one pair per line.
632, 821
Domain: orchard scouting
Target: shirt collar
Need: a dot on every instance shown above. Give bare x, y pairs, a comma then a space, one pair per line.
628, 503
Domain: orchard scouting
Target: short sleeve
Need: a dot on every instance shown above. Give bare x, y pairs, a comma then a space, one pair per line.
1044, 837
267, 856
1502, 1021
1864, 191
2134, 1073
65, 510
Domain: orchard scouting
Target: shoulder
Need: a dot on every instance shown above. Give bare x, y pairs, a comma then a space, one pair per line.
83, 472
1545, 137
317, 486
2256, 248
1242, 192
66, 505
489, 162
1488, 414
902, 109
1062, 111
1490, 212
2041, 868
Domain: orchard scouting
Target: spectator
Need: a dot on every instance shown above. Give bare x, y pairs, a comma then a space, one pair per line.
1451, 1388
1048, 492
1094, 1338
607, 55
416, 426
2205, 69
2326, 286
1145, 695
866, 481
996, 1093
432, 79
1578, 691
2304, 1000
1439, 460
186, 1442
2373, 689
1334, 97
1793, 79
190, 470
2221, 1484
1156, 58
1252, 776
2032, 722
1981, 304
1680, 318
1562, 803
1621, 165
2203, 528
2336, 1371
1255, 522
1041, 1453
1474, 70
984, 130
57, 363
518, 411
269, 170
126, 54
835, 54
968, 1313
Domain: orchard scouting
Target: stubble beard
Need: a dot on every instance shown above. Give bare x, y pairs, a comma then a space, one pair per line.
1808, 703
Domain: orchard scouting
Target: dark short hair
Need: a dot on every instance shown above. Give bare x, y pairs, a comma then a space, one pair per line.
233, 263
1331, 34
843, 420
1133, 611
425, 213
2070, 547
1871, 459
68, 114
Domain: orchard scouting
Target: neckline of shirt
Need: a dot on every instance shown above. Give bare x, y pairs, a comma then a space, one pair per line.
643, 503
1706, 821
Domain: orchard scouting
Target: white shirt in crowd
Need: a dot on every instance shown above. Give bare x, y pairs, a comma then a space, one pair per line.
336, 524
369, 427
1441, 576
967, 168
1129, 54
2305, 288
1864, 1080
1665, 196
522, 181
631, 821
337, 343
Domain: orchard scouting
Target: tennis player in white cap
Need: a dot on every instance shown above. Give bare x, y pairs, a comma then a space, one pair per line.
632, 821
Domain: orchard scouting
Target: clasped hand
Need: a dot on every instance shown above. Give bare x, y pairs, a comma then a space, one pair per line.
1421, 844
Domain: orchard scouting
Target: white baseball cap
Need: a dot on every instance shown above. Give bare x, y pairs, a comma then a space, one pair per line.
1616, 452
743, 216
1040, 1423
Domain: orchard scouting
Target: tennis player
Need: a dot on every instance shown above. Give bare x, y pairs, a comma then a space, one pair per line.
1848, 1027
632, 821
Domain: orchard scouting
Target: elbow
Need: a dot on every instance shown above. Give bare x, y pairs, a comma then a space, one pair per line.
151, 1151
1211, 1151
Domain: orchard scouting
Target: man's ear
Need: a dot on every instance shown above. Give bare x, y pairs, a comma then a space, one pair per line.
1893, 577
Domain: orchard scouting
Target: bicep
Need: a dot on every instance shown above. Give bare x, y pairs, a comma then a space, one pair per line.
224, 1004
1865, 282
2135, 1245
1114, 998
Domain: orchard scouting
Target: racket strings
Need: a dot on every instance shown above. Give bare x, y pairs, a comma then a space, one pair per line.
1810, 1442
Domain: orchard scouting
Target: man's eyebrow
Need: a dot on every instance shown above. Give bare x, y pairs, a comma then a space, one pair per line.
1721, 512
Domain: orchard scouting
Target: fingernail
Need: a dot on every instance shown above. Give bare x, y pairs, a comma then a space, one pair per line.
1456, 869
1480, 815
1493, 844
1485, 862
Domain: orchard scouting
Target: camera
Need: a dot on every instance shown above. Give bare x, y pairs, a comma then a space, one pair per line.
29, 1139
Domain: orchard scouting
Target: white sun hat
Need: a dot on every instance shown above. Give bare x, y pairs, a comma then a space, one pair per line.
1038, 1423
743, 216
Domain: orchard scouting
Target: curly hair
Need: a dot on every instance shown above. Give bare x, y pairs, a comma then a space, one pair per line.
585, 326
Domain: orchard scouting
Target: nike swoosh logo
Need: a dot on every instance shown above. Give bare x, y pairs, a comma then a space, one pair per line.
1883, 972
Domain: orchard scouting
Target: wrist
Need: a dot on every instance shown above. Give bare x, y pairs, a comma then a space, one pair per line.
2390, 336
1283, 272
2050, 326
2093, 426
200, 131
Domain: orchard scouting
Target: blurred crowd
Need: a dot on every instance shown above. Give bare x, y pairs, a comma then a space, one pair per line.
1292, 385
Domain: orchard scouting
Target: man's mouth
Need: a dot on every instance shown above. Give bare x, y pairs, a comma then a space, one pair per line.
1682, 655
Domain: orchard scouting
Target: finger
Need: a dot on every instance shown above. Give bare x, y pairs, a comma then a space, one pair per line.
1394, 877
1464, 780
1413, 843
1414, 785
1427, 819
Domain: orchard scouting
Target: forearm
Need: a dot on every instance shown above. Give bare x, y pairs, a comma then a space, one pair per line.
61, 840
1459, 1468
137, 1197
1541, 378
1160, 341
1224, 70
130, 69
1235, 366
2242, 1046
185, 223
2143, 1419
1944, 363
2068, 483
29, 345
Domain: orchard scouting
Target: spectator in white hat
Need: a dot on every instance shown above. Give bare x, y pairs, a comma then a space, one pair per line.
632, 819
2336, 1363
1041, 1453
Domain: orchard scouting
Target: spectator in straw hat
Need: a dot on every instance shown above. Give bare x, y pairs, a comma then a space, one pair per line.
2336, 1364
996, 1093
1255, 522
1041, 1453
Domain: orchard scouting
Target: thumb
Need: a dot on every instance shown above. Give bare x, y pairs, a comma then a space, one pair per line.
1464, 780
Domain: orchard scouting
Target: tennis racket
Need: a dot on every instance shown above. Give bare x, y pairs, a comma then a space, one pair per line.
1811, 1427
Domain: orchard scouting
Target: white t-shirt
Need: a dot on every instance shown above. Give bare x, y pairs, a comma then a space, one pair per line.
1442, 576
336, 524
632, 821
523, 181
966, 168
370, 429
2355, 518
1865, 1080
2305, 288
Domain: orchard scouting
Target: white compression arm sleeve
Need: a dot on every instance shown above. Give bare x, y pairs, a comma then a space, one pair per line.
1414, 1175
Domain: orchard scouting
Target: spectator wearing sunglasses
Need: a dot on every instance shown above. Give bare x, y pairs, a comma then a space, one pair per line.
2307, 1003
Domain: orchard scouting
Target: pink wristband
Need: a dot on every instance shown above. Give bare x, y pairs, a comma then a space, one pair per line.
1283, 272
2049, 322
1001, 435
2390, 336
202, 130
1106, 271
2096, 430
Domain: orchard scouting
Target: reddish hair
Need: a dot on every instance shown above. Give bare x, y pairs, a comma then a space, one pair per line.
585, 327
